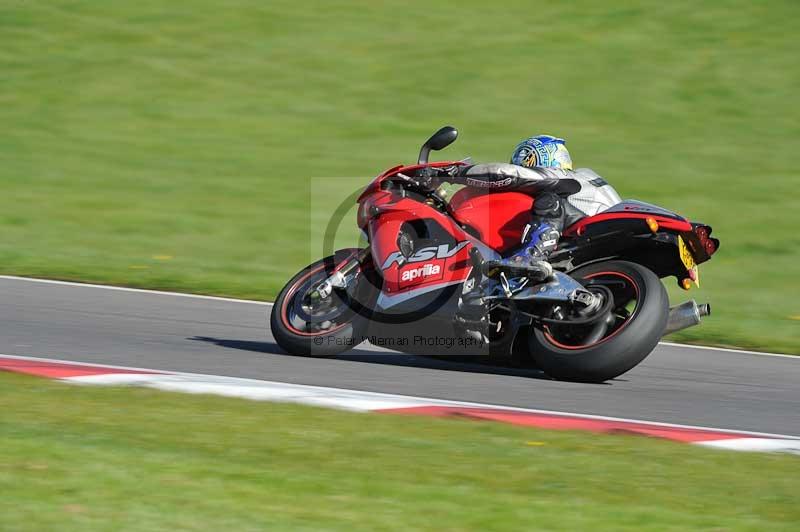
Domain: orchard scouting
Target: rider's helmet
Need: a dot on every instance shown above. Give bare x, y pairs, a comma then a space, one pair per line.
543, 151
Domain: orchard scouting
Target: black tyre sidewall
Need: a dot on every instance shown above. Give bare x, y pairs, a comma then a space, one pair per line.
622, 352
324, 344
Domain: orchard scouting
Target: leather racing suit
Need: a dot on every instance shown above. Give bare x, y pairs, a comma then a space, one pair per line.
562, 198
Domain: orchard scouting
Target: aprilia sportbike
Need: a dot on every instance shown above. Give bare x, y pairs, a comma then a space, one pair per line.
420, 284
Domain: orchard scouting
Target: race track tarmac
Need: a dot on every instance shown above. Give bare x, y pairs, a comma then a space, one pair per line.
675, 384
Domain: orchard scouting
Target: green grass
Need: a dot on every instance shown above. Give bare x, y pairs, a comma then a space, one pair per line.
137, 459
192, 130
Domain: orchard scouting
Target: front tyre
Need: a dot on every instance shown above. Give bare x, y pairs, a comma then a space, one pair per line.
637, 321
303, 324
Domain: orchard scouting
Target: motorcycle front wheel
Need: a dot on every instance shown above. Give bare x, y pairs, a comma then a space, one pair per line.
636, 322
304, 325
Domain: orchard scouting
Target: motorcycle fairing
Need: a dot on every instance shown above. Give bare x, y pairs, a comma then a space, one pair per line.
497, 219
631, 205
623, 231
628, 210
493, 222
441, 252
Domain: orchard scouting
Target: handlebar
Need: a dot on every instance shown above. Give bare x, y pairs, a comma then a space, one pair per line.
426, 186
421, 181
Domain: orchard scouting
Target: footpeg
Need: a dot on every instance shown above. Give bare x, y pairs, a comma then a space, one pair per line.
539, 270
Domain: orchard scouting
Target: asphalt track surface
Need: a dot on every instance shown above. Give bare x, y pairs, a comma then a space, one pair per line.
675, 384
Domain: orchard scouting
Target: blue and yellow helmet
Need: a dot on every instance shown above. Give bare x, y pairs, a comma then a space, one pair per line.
543, 151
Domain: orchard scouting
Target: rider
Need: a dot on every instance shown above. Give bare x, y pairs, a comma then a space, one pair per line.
540, 165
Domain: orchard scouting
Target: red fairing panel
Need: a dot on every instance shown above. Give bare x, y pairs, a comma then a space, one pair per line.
430, 266
666, 223
498, 218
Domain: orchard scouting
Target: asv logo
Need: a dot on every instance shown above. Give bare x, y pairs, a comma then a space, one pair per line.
442, 251
423, 271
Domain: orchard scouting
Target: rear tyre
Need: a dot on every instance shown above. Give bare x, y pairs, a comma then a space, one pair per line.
638, 318
304, 326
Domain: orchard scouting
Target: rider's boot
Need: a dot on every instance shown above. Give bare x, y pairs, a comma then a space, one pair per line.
531, 259
539, 240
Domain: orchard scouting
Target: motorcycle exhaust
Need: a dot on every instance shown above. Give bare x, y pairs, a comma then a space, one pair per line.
686, 315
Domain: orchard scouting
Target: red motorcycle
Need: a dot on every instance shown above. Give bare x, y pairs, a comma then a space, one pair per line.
420, 286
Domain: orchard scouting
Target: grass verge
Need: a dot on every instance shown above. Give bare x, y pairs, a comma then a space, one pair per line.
85, 458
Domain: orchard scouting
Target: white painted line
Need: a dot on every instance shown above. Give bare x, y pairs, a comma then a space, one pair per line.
269, 303
255, 390
167, 378
136, 290
755, 444
729, 350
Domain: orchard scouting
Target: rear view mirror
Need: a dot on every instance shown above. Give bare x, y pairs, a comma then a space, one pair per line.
438, 141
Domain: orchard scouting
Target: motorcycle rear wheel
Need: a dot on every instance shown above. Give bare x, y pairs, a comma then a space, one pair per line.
640, 311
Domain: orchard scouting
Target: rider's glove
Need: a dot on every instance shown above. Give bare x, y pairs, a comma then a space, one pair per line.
427, 179
447, 171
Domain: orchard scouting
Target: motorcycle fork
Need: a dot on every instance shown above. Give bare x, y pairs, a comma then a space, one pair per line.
343, 274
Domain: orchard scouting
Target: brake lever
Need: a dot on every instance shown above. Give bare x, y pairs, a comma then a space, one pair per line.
424, 184
406, 178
